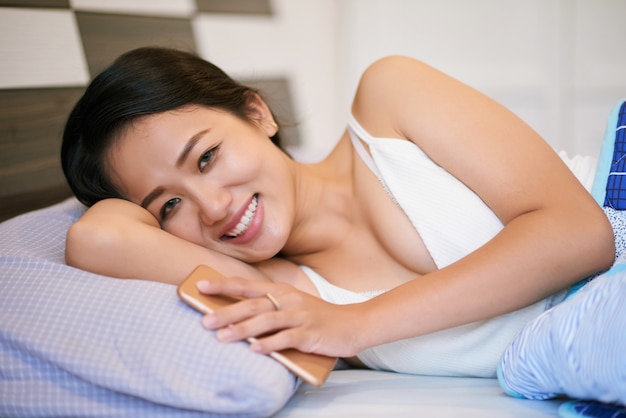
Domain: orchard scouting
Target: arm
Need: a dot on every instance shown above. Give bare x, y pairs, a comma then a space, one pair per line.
554, 233
120, 239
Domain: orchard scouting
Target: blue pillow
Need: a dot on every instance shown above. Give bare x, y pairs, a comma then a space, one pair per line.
74, 343
607, 151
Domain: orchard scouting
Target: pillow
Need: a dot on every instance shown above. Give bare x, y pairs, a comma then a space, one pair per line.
607, 151
74, 343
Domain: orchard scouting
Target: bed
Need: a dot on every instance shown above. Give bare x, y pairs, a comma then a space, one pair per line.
78, 344
74, 343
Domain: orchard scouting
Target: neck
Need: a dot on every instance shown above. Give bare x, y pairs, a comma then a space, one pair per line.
324, 204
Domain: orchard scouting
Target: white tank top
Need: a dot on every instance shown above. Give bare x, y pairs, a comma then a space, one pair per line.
453, 221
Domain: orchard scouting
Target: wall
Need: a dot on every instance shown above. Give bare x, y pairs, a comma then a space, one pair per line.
556, 63
559, 64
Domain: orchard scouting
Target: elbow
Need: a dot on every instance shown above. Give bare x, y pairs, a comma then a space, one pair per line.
608, 239
98, 241
75, 243
600, 237
85, 242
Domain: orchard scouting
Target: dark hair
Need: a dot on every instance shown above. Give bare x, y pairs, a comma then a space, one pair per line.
140, 82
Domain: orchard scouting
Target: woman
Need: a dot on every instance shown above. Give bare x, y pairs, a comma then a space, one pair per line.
439, 217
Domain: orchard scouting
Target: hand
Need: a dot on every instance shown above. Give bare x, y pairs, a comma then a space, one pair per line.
303, 321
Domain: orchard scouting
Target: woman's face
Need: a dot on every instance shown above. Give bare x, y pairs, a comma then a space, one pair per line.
210, 178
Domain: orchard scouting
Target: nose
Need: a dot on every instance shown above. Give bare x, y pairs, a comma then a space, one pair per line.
213, 203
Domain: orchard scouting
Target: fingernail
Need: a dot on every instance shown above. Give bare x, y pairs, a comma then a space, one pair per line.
225, 334
256, 347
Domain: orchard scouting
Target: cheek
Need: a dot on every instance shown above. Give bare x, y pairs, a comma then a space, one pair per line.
185, 227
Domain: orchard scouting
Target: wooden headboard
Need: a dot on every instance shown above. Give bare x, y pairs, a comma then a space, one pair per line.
31, 125
37, 92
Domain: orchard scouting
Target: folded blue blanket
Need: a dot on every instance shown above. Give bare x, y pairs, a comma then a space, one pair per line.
577, 348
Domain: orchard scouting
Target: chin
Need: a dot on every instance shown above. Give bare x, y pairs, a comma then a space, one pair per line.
258, 257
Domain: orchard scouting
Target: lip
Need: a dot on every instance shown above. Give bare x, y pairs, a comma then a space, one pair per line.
255, 225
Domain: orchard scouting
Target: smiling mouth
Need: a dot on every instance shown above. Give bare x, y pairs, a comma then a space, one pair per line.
245, 221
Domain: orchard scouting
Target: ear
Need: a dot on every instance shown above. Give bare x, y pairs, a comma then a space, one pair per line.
260, 114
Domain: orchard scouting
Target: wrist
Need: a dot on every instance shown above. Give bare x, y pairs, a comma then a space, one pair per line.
367, 327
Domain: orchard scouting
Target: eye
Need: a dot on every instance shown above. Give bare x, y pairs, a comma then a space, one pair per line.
207, 157
168, 208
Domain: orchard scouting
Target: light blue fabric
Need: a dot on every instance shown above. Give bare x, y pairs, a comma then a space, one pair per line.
78, 344
577, 348
598, 190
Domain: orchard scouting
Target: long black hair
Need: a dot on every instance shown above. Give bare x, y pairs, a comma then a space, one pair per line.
140, 82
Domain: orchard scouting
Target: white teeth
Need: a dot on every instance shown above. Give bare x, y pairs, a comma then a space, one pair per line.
245, 220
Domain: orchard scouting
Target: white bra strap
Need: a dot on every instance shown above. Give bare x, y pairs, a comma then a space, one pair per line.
357, 133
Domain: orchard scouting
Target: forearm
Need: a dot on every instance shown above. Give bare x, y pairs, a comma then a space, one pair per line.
120, 239
534, 256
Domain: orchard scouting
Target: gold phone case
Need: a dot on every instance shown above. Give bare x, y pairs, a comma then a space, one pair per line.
312, 368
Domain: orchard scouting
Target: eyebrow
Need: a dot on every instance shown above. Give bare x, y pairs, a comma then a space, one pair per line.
179, 163
151, 196
189, 147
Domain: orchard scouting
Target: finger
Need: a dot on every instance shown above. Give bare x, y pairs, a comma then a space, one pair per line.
306, 340
238, 312
264, 324
275, 342
285, 339
233, 286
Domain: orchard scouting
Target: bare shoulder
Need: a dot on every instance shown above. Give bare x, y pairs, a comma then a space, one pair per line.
393, 87
386, 70
383, 79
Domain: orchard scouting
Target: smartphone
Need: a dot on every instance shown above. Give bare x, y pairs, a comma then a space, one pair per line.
312, 368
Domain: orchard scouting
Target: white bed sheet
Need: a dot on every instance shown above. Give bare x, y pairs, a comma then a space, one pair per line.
368, 393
